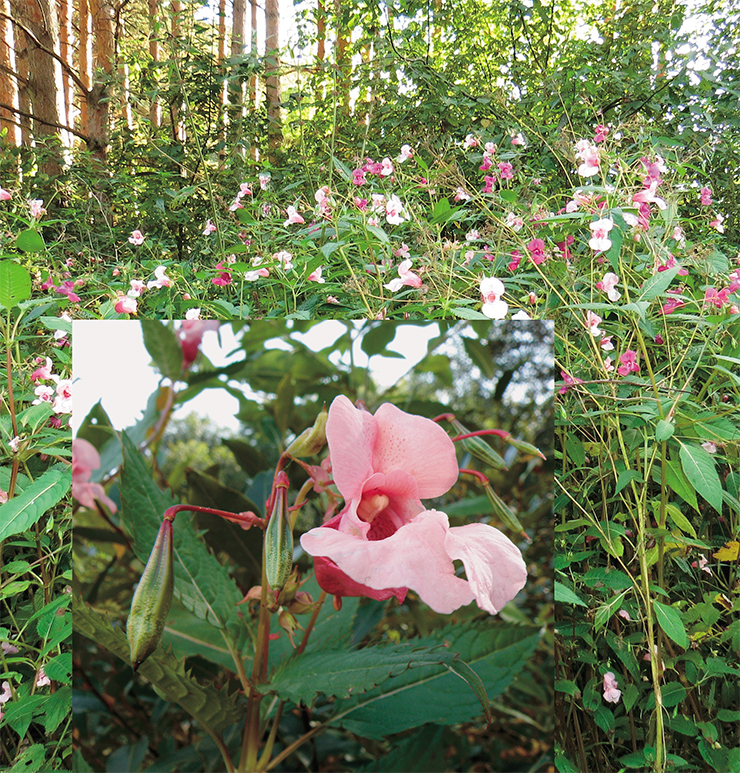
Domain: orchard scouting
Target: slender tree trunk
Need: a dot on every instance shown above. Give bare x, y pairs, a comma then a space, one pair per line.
84, 58
155, 112
98, 117
272, 78
8, 81
24, 89
223, 101
65, 51
320, 50
253, 94
342, 61
236, 89
178, 125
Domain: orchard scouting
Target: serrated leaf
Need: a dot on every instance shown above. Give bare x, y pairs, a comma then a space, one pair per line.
422, 752
32, 760
19, 714
163, 347
658, 283
670, 621
565, 595
463, 313
15, 284
496, 651
23, 511
58, 705
213, 708
701, 471
663, 430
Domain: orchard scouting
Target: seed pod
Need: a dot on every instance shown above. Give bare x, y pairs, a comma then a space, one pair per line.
479, 448
152, 599
311, 440
502, 511
279, 537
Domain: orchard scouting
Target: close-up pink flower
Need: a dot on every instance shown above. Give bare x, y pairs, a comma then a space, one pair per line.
5, 195
293, 217
384, 542
161, 279
405, 277
190, 335
491, 290
608, 285
628, 362
85, 459
593, 321
126, 305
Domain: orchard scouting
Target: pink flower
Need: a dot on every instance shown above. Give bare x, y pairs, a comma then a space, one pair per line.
137, 238
384, 542
671, 305
209, 229
516, 259
137, 288
293, 217
624, 613
461, 194
244, 190
600, 240
611, 693
386, 167
705, 196
491, 290
715, 297
190, 335
516, 222
407, 152
506, 170
285, 258
600, 132
161, 279
42, 680
222, 279
126, 305
44, 372
471, 141
402, 251
358, 176
5, 195
702, 564
85, 459
592, 323
489, 182
629, 363
487, 162
67, 288
717, 223
608, 285
648, 196
264, 181
405, 277
517, 139
37, 207
394, 212
63, 399
315, 276
589, 156
536, 249
44, 394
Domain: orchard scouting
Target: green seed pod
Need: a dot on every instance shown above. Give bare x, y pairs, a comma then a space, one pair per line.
502, 511
311, 440
479, 448
279, 537
152, 599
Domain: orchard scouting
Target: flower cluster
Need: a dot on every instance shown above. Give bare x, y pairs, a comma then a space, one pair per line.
60, 395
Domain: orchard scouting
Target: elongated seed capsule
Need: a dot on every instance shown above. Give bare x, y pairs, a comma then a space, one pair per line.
502, 511
279, 536
479, 448
152, 599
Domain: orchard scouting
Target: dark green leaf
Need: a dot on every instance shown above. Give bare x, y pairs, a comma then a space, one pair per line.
670, 621
15, 284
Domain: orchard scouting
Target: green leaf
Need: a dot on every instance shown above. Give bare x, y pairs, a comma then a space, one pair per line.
430, 693
33, 758
59, 704
658, 283
20, 713
23, 511
463, 313
162, 344
677, 481
422, 752
15, 284
57, 323
214, 709
565, 595
376, 338
671, 695
663, 430
701, 471
480, 355
680, 520
670, 621
30, 240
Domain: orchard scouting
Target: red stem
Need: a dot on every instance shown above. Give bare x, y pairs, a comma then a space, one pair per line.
248, 517
499, 432
481, 477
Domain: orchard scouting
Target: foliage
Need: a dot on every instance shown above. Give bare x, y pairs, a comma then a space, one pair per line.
375, 677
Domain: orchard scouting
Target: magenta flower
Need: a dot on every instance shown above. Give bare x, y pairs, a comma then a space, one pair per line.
671, 305
190, 335
67, 288
489, 183
358, 176
506, 170
611, 693
705, 197
5, 195
715, 297
600, 132
136, 238
384, 542
85, 459
44, 372
629, 363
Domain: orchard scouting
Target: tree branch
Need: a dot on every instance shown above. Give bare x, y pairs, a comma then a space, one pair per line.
23, 81
46, 123
72, 74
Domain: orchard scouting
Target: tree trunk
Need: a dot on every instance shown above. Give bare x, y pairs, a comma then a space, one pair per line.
342, 60
84, 49
272, 78
98, 118
178, 125
155, 113
8, 80
66, 52
236, 87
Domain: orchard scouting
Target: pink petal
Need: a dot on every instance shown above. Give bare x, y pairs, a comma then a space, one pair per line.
351, 436
493, 564
85, 458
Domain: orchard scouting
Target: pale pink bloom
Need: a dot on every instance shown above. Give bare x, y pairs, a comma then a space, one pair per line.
44, 394
63, 399
116, 272
394, 212
600, 240
702, 564
5, 195
322, 194
624, 613
253, 276
461, 194
521, 314
373, 221
469, 255
293, 217
85, 459
137, 288
3, 500
705, 195
648, 196
15, 443
407, 152
506, 170
6, 694
517, 139
190, 334
608, 285
37, 207
471, 236
161, 279
285, 258
471, 141
679, 236
491, 148
405, 277
8, 648
332, 299
402, 251
588, 153
514, 221
592, 323
606, 343
717, 223
709, 447
126, 305
264, 181
491, 290
44, 371
386, 167
244, 190
42, 680
137, 237
611, 693
384, 542
192, 313
571, 206
209, 229
315, 276
236, 205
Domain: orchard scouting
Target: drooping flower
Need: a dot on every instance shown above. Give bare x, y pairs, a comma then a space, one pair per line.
407, 152
190, 335
718, 223
85, 459
384, 542
386, 167
506, 170
210, 228
600, 240
705, 197
293, 217
491, 290
608, 285
394, 212
264, 181
137, 237
515, 222
126, 305
600, 132
43, 372
611, 693
315, 275
405, 277
37, 207
629, 363
588, 154
5, 195
593, 321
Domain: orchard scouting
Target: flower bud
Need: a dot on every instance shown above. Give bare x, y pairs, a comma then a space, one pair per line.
152, 599
289, 624
311, 440
279, 536
479, 448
